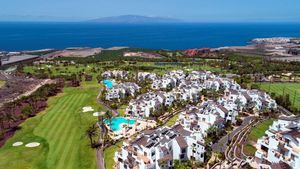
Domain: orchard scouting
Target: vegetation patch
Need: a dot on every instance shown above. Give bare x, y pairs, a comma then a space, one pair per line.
249, 150
259, 131
2, 83
109, 154
172, 121
256, 133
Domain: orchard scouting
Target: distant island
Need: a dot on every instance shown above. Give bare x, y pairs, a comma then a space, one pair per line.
135, 19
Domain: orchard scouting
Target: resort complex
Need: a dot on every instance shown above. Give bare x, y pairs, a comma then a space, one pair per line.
159, 148
150, 109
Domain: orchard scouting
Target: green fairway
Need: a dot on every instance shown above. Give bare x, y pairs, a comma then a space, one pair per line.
109, 154
293, 89
61, 131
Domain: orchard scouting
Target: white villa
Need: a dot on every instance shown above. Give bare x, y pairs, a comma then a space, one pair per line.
248, 98
200, 75
164, 83
148, 103
120, 91
281, 144
171, 79
201, 118
146, 76
157, 149
219, 83
188, 91
115, 74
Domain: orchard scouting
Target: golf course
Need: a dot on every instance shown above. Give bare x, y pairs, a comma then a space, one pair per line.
60, 130
293, 89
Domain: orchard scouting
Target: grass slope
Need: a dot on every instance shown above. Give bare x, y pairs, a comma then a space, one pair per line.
109, 154
61, 131
2, 82
256, 133
172, 121
293, 89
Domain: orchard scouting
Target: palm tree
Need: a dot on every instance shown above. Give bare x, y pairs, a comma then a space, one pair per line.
9, 117
91, 132
108, 116
2, 122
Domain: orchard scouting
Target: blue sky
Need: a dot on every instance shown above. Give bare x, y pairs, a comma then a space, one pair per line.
190, 10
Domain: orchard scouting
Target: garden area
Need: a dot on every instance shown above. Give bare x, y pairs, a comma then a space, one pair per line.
2, 83
256, 133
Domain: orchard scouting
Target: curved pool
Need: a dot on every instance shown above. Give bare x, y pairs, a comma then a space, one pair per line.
116, 123
108, 83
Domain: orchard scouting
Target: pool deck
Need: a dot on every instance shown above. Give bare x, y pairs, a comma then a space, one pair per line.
127, 132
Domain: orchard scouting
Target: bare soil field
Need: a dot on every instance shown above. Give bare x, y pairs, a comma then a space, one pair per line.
74, 52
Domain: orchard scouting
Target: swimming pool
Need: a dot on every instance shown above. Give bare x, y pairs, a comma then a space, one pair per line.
116, 123
108, 83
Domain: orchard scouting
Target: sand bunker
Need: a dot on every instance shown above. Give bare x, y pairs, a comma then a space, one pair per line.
96, 114
19, 143
87, 109
33, 144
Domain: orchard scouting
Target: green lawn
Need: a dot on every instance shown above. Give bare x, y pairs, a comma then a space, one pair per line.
249, 150
122, 109
109, 154
256, 133
2, 82
293, 89
61, 131
259, 131
172, 121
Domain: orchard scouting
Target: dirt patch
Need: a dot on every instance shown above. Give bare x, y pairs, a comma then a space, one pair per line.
74, 52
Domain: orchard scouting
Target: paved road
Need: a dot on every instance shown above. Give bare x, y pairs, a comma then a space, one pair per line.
284, 111
100, 158
221, 145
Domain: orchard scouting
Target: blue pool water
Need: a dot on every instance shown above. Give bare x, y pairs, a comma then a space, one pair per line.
108, 83
116, 123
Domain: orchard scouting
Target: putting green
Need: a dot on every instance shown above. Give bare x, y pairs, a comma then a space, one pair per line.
60, 130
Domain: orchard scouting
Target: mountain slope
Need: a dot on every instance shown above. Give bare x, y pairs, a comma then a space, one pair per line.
134, 19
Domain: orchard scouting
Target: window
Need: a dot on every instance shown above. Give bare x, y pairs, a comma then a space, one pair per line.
292, 157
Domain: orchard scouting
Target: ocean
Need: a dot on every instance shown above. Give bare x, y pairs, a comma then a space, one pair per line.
31, 36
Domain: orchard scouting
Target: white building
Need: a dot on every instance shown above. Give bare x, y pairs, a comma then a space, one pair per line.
219, 83
156, 149
115, 74
164, 83
281, 144
146, 76
188, 91
201, 118
146, 104
120, 91
200, 75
